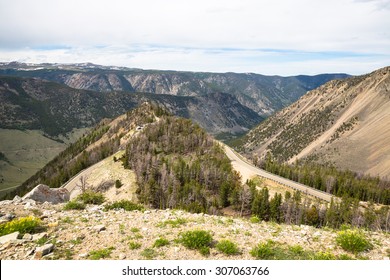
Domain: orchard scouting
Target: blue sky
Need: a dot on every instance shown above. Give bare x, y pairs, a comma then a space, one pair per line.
273, 37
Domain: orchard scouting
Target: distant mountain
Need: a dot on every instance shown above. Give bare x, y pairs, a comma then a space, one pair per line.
344, 122
30, 103
263, 94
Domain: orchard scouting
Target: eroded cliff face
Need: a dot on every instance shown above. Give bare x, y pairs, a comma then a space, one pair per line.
345, 122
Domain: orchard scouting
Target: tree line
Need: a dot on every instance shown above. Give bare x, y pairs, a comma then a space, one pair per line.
331, 180
293, 209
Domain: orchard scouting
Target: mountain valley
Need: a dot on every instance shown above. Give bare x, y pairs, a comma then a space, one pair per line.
148, 181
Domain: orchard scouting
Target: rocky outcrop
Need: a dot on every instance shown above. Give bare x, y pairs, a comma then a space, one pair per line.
43, 193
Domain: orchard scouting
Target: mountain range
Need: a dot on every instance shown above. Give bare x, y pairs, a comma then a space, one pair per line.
263, 94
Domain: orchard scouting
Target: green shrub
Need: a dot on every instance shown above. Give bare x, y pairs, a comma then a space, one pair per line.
173, 223
324, 256
74, 205
204, 251
254, 219
196, 239
118, 184
353, 241
345, 257
100, 254
264, 251
227, 247
134, 245
23, 225
161, 242
91, 197
124, 204
149, 253
41, 241
134, 230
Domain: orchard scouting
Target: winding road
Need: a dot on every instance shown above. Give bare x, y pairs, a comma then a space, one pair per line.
248, 170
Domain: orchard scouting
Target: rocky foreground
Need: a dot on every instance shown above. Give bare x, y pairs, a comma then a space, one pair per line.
118, 234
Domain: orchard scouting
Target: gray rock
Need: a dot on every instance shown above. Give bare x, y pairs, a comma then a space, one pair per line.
9, 237
27, 236
5, 202
9, 217
83, 255
29, 253
29, 206
122, 256
29, 201
44, 250
17, 199
39, 236
43, 193
99, 228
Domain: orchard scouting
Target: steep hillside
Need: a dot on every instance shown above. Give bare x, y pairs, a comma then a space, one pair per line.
263, 94
345, 123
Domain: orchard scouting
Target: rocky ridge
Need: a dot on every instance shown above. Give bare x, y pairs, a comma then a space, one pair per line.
79, 234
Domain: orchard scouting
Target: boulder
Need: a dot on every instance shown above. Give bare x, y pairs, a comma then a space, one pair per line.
9, 237
43, 193
99, 228
43, 250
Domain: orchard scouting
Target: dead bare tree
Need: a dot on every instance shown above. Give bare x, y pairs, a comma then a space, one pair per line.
82, 184
245, 198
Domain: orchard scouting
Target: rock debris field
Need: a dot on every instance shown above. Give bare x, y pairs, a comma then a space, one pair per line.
94, 233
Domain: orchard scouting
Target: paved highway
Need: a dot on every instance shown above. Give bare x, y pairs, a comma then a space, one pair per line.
250, 170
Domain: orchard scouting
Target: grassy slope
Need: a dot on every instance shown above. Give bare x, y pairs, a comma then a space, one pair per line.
28, 151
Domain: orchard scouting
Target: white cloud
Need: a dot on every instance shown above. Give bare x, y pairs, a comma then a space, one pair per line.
132, 31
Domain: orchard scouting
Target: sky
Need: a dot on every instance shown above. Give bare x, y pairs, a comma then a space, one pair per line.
271, 37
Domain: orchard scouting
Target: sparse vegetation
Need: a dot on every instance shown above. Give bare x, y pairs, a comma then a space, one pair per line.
264, 251
271, 250
353, 241
74, 205
41, 241
161, 242
255, 219
91, 197
173, 223
227, 247
23, 225
124, 204
149, 253
77, 241
134, 230
100, 254
134, 245
197, 240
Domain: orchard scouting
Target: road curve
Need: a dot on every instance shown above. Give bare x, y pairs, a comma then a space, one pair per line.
244, 167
